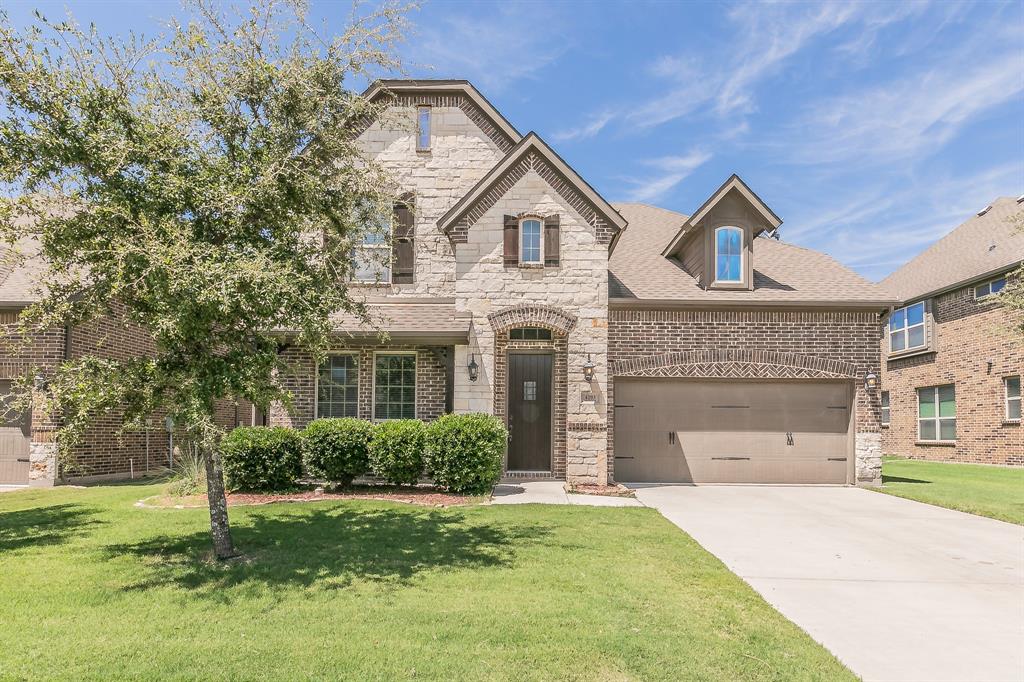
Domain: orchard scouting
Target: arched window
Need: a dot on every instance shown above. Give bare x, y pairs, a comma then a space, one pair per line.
728, 254
529, 240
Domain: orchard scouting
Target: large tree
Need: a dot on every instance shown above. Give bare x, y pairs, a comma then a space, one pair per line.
1013, 295
204, 186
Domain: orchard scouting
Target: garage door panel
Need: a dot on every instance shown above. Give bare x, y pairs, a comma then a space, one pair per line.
732, 432
14, 439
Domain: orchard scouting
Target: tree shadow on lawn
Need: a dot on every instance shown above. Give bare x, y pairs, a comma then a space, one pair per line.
329, 548
39, 526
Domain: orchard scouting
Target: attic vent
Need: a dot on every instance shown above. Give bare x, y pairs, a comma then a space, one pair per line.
991, 247
984, 210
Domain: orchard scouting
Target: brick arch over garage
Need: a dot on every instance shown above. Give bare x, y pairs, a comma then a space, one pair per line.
531, 315
735, 364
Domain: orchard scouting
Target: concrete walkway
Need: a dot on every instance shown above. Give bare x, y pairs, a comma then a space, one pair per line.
553, 492
12, 488
897, 590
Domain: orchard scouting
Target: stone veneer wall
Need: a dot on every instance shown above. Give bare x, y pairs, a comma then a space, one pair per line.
577, 288
301, 381
831, 344
968, 335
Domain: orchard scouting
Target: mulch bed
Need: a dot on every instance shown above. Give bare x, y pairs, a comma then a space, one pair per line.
427, 497
593, 489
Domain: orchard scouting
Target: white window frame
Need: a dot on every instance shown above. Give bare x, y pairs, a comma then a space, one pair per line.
743, 257
316, 385
987, 286
886, 405
415, 383
382, 256
907, 327
1007, 399
937, 419
420, 131
540, 240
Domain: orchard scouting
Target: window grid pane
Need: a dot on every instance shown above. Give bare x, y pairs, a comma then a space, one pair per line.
394, 387
936, 413
907, 328
338, 387
728, 254
1013, 398
423, 128
530, 251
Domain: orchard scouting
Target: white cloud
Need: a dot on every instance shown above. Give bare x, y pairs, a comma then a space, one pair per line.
585, 131
674, 169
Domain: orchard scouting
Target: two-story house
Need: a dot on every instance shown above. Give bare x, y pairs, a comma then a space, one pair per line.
617, 342
951, 378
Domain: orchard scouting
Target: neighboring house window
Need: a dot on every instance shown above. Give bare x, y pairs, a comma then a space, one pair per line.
337, 392
530, 334
422, 129
885, 408
394, 386
936, 413
371, 260
906, 328
728, 254
529, 240
989, 288
1012, 385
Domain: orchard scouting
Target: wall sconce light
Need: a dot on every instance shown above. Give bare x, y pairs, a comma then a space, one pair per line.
40, 382
474, 369
588, 370
871, 381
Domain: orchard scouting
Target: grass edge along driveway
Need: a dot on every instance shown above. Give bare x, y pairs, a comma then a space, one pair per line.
992, 491
95, 588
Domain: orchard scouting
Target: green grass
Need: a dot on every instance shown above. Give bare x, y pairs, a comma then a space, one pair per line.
94, 588
996, 492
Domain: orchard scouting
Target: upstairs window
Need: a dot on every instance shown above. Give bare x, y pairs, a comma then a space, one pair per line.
989, 288
371, 259
423, 129
529, 241
906, 328
1012, 385
728, 254
936, 413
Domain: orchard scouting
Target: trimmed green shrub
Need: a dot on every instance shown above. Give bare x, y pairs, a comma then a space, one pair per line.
337, 450
261, 458
396, 451
464, 452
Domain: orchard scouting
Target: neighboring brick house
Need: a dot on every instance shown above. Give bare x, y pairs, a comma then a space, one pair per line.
952, 376
513, 288
622, 343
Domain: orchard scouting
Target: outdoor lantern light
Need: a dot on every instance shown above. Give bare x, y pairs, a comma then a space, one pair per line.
474, 369
871, 380
588, 370
40, 382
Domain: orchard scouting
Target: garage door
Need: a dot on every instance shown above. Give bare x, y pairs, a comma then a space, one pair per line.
732, 432
14, 440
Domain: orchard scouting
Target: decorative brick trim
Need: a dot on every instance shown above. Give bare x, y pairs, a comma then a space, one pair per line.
735, 364
459, 232
588, 427
531, 315
744, 316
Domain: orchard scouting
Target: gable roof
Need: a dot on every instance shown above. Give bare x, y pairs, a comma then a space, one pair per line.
734, 182
532, 153
466, 97
784, 274
983, 246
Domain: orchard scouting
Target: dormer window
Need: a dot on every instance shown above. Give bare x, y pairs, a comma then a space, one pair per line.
729, 254
529, 241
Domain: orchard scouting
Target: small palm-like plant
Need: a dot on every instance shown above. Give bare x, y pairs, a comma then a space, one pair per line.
188, 477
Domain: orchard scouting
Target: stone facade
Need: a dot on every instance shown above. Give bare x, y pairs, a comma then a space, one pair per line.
973, 348
757, 344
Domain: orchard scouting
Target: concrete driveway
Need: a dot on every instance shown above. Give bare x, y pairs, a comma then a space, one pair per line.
897, 590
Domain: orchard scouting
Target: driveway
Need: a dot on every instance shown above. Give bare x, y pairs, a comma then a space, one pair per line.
897, 590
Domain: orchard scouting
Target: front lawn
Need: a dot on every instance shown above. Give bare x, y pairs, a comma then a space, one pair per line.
996, 492
93, 587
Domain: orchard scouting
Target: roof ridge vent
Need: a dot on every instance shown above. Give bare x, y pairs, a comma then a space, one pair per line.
984, 210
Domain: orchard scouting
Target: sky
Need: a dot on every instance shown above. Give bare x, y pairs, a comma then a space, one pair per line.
871, 128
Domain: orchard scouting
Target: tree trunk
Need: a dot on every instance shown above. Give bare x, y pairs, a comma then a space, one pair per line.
220, 529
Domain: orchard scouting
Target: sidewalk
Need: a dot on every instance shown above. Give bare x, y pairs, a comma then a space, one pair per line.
553, 492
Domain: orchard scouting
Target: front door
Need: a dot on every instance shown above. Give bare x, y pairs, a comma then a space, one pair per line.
529, 412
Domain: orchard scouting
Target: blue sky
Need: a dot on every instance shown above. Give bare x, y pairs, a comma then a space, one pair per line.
872, 129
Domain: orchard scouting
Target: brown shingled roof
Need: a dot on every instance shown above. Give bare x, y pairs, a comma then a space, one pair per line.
783, 273
422, 319
982, 246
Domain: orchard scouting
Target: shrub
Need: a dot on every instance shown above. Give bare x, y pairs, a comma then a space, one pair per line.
188, 477
464, 452
396, 451
337, 450
261, 458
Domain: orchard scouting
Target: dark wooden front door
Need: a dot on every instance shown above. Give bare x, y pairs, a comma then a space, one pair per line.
529, 411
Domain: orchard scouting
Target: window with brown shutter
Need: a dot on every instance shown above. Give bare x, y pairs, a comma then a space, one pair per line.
511, 240
403, 246
551, 241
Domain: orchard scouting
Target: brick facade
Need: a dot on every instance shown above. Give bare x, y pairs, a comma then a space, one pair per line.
762, 344
974, 349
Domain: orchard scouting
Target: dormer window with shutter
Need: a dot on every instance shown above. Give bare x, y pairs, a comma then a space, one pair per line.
403, 245
387, 252
532, 241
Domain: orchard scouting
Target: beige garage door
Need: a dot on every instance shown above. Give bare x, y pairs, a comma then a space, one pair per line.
14, 440
674, 430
